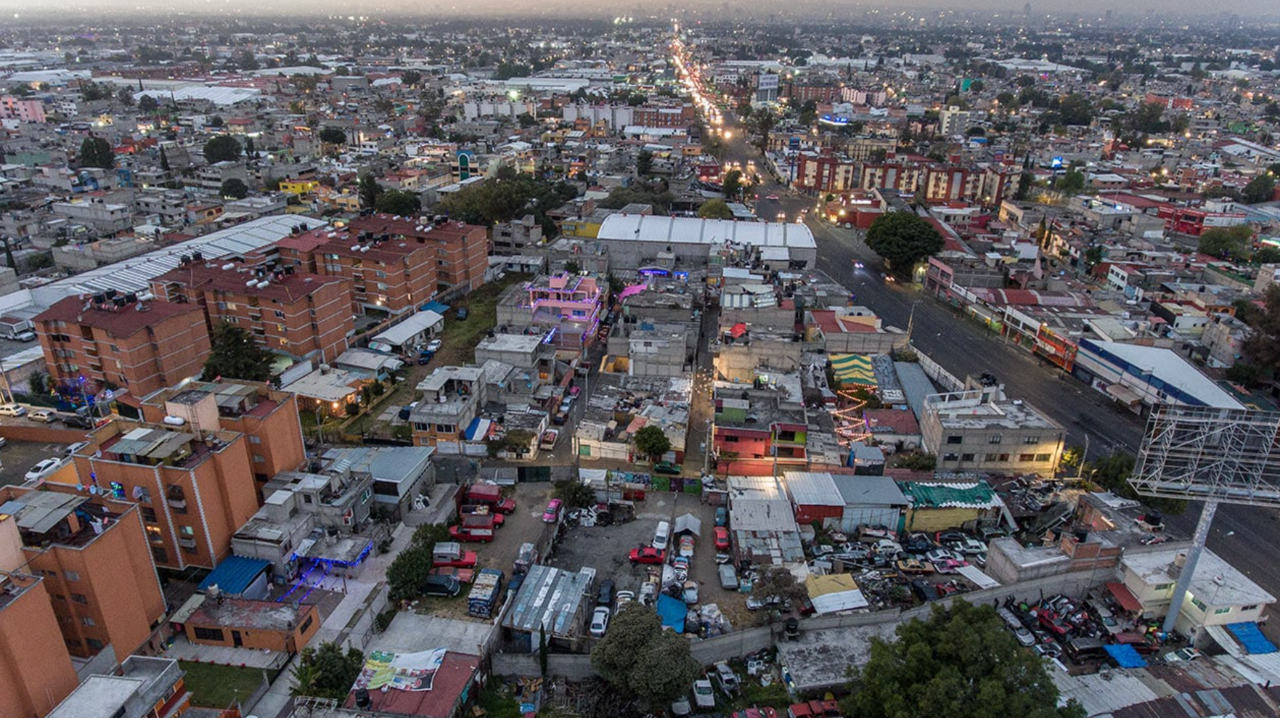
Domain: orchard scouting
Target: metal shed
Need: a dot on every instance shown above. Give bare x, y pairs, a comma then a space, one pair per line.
870, 500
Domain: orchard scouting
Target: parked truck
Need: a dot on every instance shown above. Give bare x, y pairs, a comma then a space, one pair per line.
486, 594
12, 328
451, 554
481, 493
473, 528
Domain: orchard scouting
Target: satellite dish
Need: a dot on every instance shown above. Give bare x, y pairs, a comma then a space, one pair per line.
79, 488
93, 489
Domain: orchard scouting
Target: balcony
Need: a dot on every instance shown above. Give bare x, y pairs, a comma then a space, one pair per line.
176, 498
187, 543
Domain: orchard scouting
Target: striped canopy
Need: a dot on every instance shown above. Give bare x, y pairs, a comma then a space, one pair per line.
853, 370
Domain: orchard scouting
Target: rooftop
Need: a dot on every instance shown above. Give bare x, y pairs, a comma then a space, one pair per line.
123, 322
1216, 582
985, 408
549, 598
253, 614
661, 228
286, 288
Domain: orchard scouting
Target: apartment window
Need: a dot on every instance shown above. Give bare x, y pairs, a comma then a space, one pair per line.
56, 596
255, 439
1246, 608
187, 531
1222, 611
1199, 604
1004, 457
77, 597
160, 554
71, 575
259, 459
94, 644
967, 457
1026, 457
306, 624
208, 634
1030, 439
364, 496
1042, 457
990, 457
446, 428
951, 457
995, 439
148, 514
954, 439
730, 438
1164, 586
280, 314
87, 621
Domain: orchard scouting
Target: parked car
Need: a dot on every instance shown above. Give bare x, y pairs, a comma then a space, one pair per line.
549, 438
441, 586
647, 556
45, 468
1182, 655
44, 415
730, 682
704, 696
690, 593
552, 513
648, 593
971, 546
624, 597
722, 538
914, 567
462, 314
75, 447
12, 410
938, 555
722, 517
667, 468
662, 535
686, 547
681, 707
728, 576
949, 566
599, 622
560, 418
407, 410
434, 346
604, 596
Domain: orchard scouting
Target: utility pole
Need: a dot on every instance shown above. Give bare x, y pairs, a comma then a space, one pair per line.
911, 320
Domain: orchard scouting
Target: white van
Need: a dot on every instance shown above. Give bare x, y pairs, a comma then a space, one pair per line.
662, 535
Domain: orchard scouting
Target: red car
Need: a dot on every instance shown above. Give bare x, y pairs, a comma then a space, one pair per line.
722, 538
647, 556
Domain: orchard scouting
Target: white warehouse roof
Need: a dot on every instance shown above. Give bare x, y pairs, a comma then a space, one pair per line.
661, 228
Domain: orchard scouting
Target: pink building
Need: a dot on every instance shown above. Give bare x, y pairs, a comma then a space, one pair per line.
570, 303
21, 109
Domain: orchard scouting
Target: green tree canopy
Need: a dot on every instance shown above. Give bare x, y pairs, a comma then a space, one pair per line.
234, 188
96, 152
1263, 346
1228, 243
506, 196
651, 441
903, 239
715, 209
369, 190
644, 163
1260, 189
960, 662
1075, 109
221, 148
235, 355
332, 135
147, 105
732, 184
326, 671
398, 202
1113, 472
653, 194
1071, 182
639, 658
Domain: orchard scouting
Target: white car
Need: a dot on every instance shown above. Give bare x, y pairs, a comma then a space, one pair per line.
703, 694
623, 597
44, 469
971, 546
434, 345
599, 622
12, 410
41, 415
74, 448
662, 535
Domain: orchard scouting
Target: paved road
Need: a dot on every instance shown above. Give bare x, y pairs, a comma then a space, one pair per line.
1242, 535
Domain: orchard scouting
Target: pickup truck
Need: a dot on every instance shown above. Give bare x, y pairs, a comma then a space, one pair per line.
474, 528
491, 495
451, 554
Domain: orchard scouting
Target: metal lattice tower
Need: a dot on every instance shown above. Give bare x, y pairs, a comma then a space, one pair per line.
1213, 455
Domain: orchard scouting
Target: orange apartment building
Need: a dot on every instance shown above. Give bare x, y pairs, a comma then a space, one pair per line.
90, 552
395, 265
193, 485
35, 670
268, 418
254, 624
113, 339
302, 315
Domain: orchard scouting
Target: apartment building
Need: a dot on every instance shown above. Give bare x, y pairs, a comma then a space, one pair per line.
90, 550
170, 206
298, 314
21, 109
451, 399
103, 217
980, 430
394, 264
114, 339
571, 304
35, 670
142, 687
193, 483
268, 418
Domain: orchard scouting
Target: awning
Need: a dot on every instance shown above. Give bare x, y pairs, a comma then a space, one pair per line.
1126, 656
1123, 394
688, 523
1250, 636
1124, 597
738, 330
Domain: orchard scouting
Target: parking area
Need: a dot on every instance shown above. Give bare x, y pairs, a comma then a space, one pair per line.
18, 457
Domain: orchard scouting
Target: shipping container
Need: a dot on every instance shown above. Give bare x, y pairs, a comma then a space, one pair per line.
486, 593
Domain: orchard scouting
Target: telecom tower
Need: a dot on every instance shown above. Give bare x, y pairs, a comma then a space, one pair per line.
1213, 455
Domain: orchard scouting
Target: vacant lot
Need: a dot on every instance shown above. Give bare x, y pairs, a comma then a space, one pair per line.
460, 337
217, 686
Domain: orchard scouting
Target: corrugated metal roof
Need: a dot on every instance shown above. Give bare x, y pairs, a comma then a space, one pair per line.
234, 575
864, 490
813, 488
549, 598
662, 228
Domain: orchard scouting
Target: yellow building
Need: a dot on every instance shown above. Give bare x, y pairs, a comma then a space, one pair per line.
299, 187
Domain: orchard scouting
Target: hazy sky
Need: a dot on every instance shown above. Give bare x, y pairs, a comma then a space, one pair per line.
595, 8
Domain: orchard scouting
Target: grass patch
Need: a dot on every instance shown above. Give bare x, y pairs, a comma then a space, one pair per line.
497, 701
460, 337
217, 686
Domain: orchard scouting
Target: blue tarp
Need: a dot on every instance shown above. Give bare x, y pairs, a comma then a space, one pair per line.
1126, 656
672, 612
1250, 636
234, 575
435, 306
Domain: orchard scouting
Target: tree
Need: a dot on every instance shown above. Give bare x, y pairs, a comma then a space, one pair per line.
1025, 182
961, 662
234, 188
411, 77
715, 209
1268, 254
639, 658
221, 148
903, 239
398, 202
235, 355
1263, 346
331, 135
1072, 456
147, 105
97, 152
125, 96
216, 121
369, 190
1113, 472
733, 184
326, 671
1093, 255
778, 582
652, 442
407, 573
574, 493
1229, 243
1071, 183
764, 122
247, 61
1075, 109
644, 163
1260, 189
164, 162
